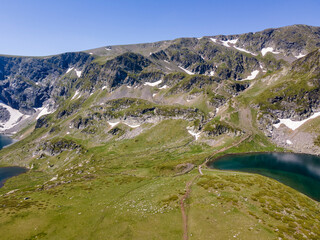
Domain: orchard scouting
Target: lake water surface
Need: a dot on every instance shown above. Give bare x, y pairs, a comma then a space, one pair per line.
299, 171
4, 141
8, 172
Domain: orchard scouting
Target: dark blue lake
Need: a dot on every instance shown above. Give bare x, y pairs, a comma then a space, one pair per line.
4, 141
8, 172
299, 171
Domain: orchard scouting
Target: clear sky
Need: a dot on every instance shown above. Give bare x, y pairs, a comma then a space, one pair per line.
44, 27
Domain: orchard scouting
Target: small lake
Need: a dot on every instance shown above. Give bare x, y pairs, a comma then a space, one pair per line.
4, 141
299, 171
8, 172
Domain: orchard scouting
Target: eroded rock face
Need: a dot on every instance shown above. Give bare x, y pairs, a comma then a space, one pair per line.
26, 82
57, 146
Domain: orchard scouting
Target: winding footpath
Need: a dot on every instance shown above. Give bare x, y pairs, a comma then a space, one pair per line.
189, 184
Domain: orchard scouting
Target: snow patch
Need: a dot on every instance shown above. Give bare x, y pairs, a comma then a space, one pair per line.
226, 43
217, 110
289, 142
113, 124
76, 95
44, 111
213, 40
154, 94
293, 125
166, 61
195, 134
129, 87
15, 117
264, 51
152, 84
211, 73
263, 70
244, 50
69, 70
90, 53
253, 75
132, 126
300, 55
78, 73
108, 48
187, 71
54, 178
163, 87
104, 87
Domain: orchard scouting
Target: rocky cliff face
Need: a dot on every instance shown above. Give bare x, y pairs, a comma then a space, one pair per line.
27, 82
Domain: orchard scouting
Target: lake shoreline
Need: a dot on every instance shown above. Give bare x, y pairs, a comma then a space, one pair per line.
299, 171
9, 172
248, 153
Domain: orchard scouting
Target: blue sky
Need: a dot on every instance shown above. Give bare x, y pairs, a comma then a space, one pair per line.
41, 27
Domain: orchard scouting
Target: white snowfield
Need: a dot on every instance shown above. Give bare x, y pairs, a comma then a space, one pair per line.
166, 61
108, 49
300, 55
69, 70
113, 124
263, 70
78, 73
163, 87
244, 50
226, 43
132, 126
43, 111
293, 125
129, 87
152, 84
253, 75
54, 178
213, 40
264, 51
104, 87
153, 95
76, 95
289, 142
187, 71
195, 134
15, 117
211, 73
